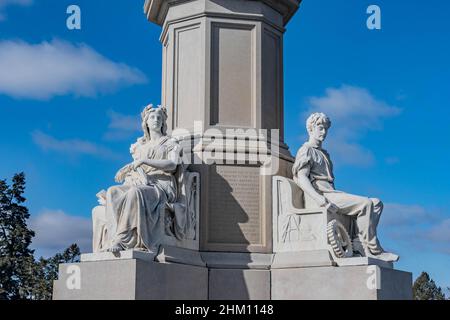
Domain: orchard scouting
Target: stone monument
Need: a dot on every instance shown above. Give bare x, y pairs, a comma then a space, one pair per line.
213, 205
158, 199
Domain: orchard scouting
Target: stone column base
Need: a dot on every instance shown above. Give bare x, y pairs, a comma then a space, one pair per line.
341, 283
176, 274
131, 278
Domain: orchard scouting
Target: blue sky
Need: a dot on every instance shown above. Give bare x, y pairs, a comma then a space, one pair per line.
69, 101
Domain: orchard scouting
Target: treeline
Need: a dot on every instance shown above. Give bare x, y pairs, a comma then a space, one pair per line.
22, 276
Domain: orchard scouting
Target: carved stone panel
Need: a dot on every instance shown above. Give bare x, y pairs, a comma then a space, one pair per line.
232, 74
234, 216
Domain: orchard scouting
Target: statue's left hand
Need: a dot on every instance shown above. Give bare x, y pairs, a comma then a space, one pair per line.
120, 175
137, 164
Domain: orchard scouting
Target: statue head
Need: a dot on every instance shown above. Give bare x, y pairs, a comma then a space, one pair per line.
317, 125
154, 119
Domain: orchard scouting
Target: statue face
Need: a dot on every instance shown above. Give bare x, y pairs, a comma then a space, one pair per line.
155, 121
319, 132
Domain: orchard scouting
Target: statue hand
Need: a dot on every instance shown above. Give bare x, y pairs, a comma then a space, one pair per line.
322, 201
332, 208
137, 164
120, 176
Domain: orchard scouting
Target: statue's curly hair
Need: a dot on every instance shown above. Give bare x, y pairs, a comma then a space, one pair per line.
146, 113
316, 119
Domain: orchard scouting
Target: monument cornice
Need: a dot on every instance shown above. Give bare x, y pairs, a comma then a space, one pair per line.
166, 26
156, 10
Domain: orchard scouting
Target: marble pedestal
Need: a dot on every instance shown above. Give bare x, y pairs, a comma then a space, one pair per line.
132, 276
341, 283
222, 84
185, 274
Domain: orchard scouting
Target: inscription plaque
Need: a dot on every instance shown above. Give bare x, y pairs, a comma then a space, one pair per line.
234, 207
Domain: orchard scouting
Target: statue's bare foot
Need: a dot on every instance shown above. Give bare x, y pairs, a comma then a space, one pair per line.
364, 251
387, 256
116, 248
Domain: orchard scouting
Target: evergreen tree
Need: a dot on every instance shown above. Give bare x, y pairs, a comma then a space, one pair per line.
70, 255
425, 288
21, 276
46, 271
15, 238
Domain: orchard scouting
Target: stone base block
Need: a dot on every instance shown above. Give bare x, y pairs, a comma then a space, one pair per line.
341, 283
132, 279
175, 273
239, 284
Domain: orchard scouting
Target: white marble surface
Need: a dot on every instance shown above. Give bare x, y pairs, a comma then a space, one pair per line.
157, 179
122, 255
364, 261
313, 173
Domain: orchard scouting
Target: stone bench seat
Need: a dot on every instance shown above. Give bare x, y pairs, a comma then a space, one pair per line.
299, 225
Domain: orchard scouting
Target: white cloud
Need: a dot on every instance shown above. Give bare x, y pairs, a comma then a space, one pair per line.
418, 227
42, 71
71, 147
349, 153
5, 3
56, 230
440, 233
353, 111
396, 214
124, 122
122, 126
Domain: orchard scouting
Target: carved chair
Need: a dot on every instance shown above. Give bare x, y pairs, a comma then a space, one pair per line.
300, 225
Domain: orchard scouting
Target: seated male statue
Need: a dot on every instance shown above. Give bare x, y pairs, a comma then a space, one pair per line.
313, 172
